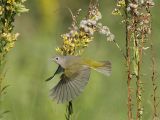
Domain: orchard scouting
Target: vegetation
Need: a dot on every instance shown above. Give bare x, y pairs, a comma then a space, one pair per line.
8, 10
130, 41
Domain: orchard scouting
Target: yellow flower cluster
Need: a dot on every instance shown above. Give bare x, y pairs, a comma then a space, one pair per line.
1, 10
9, 37
10, 1
73, 44
120, 5
9, 40
14, 6
10, 6
116, 12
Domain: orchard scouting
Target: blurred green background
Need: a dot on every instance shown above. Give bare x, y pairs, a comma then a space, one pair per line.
28, 65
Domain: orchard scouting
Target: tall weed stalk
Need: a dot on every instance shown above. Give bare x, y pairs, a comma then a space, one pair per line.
8, 10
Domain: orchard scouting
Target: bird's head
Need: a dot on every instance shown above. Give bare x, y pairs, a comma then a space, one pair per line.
60, 60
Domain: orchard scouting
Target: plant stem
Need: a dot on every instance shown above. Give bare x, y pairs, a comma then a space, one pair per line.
154, 86
69, 110
128, 62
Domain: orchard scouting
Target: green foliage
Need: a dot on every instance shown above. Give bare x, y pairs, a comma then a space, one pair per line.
8, 10
28, 66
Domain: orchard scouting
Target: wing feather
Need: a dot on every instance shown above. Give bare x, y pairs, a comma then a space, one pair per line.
69, 88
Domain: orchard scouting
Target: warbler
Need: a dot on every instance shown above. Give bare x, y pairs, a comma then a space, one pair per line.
75, 76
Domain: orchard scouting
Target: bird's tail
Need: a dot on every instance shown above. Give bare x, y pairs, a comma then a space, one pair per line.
105, 68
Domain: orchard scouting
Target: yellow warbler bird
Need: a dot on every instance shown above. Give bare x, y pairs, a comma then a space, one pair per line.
76, 73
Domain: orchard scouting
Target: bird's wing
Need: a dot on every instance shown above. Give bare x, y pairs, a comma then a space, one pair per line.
70, 87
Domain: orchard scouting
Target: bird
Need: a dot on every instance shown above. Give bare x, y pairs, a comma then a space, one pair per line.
75, 75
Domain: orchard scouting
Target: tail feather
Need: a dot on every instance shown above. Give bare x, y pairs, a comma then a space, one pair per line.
104, 68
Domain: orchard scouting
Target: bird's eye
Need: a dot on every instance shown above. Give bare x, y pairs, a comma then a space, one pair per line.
56, 58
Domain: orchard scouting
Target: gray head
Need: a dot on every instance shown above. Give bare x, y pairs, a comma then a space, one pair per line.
60, 60
65, 61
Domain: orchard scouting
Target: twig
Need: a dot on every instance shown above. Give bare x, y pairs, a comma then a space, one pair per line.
74, 21
154, 86
120, 49
69, 111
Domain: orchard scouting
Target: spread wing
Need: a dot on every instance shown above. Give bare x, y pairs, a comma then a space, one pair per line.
72, 83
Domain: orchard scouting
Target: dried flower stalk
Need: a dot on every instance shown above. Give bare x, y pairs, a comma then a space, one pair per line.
138, 30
